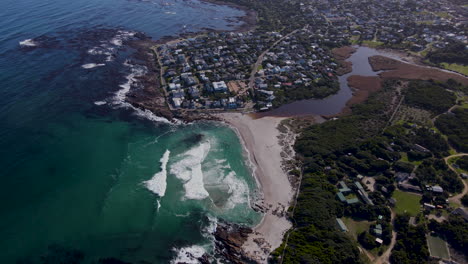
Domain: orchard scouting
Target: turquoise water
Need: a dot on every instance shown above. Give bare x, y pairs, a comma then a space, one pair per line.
76, 159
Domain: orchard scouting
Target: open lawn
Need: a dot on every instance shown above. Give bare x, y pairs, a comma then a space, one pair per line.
356, 227
404, 157
456, 67
438, 247
372, 44
407, 202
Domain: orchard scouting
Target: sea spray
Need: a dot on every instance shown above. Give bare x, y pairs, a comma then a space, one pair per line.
189, 171
158, 183
189, 254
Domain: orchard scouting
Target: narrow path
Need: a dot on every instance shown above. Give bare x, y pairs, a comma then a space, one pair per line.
385, 257
457, 198
448, 111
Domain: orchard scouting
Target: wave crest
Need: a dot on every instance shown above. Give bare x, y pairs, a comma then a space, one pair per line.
189, 171
158, 183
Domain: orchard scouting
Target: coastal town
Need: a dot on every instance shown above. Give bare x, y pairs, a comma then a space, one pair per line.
405, 192
261, 69
235, 131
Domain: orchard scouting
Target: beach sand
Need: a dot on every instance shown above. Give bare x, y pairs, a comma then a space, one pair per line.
260, 138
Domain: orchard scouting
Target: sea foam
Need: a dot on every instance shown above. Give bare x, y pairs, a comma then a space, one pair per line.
28, 43
92, 65
158, 183
221, 177
121, 95
189, 171
188, 255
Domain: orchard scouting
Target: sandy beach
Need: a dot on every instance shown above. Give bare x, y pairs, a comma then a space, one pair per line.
260, 138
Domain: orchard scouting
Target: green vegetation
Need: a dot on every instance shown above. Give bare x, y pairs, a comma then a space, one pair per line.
356, 227
372, 44
454, 53
436, 172
455, 231
438, 247
316, 237
463, 69
411, 246
363, 144
407, 203
464, 200
455, 126
462, 163
429, 96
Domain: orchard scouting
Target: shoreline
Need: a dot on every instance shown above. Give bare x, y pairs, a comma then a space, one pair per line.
260, 140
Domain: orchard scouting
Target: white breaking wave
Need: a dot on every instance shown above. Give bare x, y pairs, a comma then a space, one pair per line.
158, 183
28, 43
188, 255
122, 36
238, 190
210, 229
100, 103
109, 48
121, 95
92, 65
189, 171
221, 177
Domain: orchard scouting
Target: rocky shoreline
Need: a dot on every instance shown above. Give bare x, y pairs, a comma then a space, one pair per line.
151, 96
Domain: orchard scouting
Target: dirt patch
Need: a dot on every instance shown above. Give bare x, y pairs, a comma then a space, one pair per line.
362, 86
237, 87
341, 55
397, 69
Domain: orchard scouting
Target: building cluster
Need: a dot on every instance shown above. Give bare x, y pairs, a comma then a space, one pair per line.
347, 195
297, 63
226, 70
416, 25
211, 71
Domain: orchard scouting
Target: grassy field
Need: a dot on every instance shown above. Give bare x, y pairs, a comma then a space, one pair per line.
438, 247
372, 44
356, 227
404, 157
407, 202
456, 67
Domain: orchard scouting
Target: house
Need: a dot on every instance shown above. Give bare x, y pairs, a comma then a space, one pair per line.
352, 201
461, 211
341, 197
401, 176
231, 103
194, 92
420, 148
174, 86
344, 188
177, 102
409, 187
365, 197
341, 225
220, 87
435, 188
429, 206
377, 230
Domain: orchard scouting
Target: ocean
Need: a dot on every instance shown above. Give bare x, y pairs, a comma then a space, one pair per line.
85, 177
